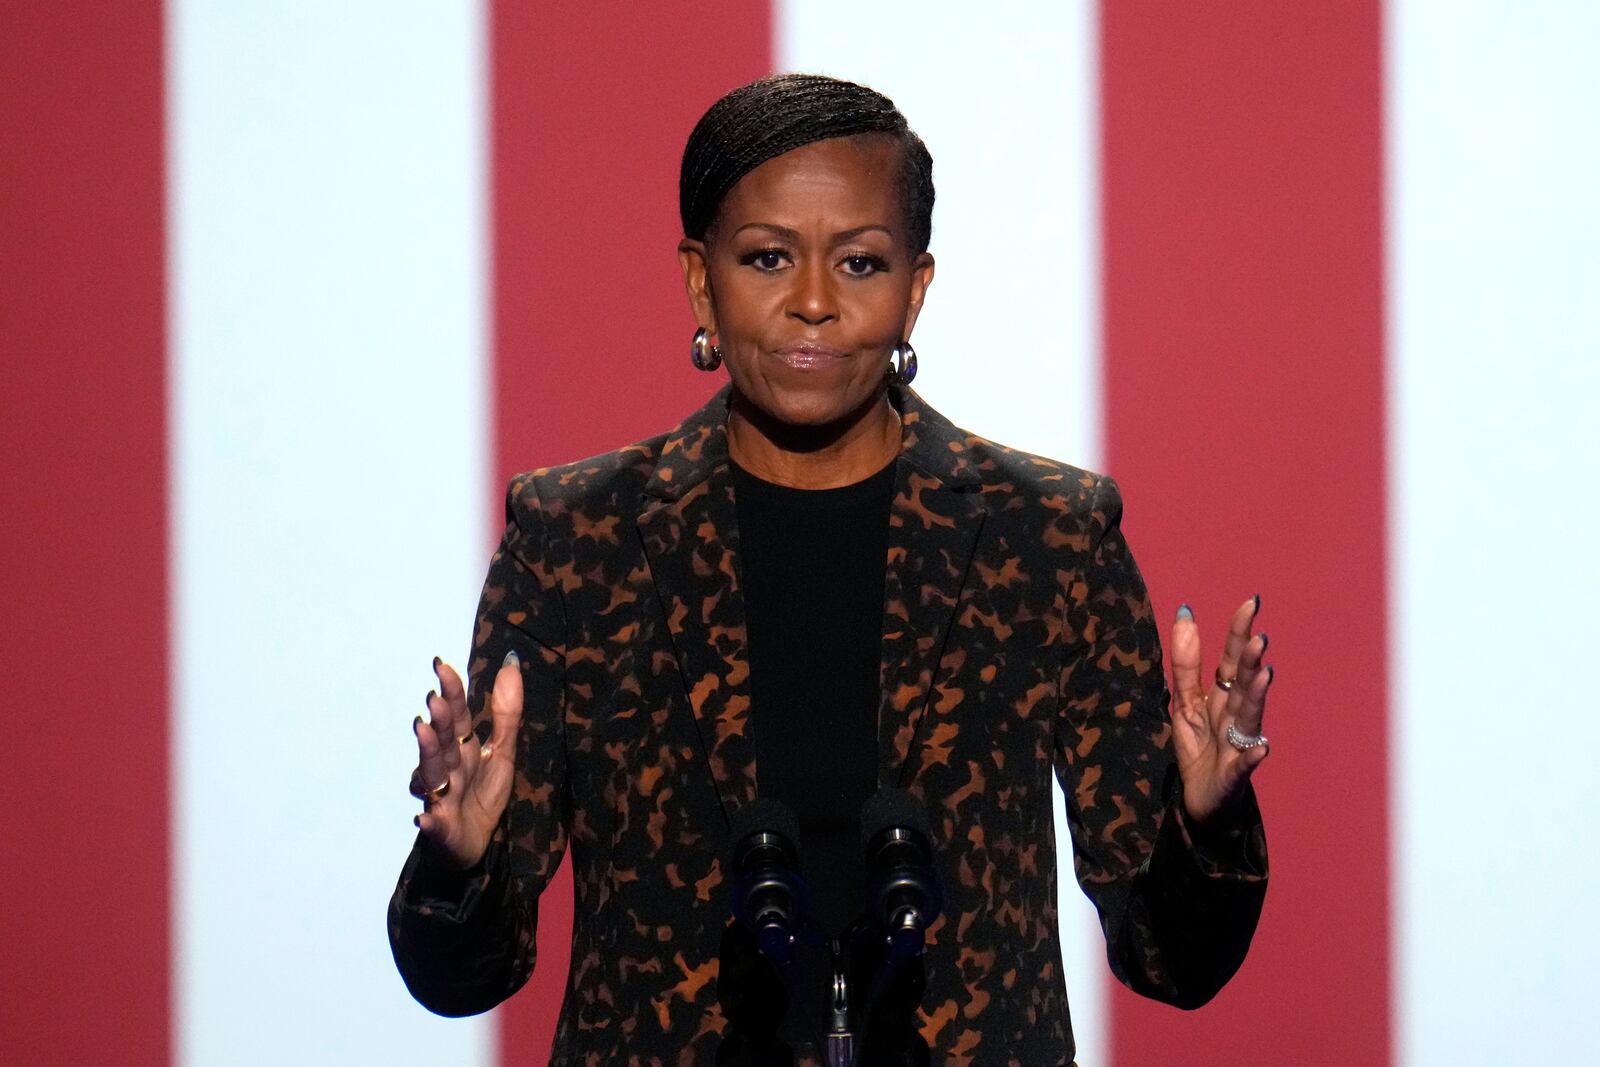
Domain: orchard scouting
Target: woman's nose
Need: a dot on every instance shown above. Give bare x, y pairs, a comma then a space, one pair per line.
813, 300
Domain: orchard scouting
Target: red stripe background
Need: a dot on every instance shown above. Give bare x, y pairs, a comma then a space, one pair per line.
591, 106
1243, 371
84, 967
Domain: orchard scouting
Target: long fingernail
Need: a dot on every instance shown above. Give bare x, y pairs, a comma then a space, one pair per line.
511, 660
1184, 612
1263, 637
427, 701
1257, 609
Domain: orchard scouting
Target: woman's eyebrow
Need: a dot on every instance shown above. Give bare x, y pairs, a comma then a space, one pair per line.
794, 235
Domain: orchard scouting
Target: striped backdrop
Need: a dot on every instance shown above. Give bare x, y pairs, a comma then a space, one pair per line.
288, 289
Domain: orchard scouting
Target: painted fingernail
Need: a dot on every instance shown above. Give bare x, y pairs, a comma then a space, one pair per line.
1263, 637
1271, 674
1184, 612
436, 662
416, 724
427, 701
416, 820
511, 660
1257, 609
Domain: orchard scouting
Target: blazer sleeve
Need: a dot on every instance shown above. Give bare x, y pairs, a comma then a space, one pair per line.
464, 941
1178, 907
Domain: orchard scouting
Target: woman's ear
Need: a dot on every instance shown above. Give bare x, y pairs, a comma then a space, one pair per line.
921, 278
697, 282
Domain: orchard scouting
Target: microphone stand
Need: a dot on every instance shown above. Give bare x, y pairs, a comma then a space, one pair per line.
839, 1048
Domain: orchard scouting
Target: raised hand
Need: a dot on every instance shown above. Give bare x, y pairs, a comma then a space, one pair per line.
1217, 732
464, 786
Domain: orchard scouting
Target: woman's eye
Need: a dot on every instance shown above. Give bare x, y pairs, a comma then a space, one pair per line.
862, 265
767, 259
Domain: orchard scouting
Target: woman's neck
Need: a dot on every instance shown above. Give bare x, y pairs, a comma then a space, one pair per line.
814, 457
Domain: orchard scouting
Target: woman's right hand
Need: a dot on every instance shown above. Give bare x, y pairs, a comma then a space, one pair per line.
464, 787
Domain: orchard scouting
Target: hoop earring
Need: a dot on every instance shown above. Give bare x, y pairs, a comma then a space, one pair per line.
902, 363
706, 356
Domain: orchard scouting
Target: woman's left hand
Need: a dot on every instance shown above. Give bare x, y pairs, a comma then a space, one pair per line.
1215, 764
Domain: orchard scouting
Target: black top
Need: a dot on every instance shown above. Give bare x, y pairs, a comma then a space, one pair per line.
812, 563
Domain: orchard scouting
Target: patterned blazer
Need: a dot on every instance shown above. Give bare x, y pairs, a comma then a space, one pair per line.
1018, 644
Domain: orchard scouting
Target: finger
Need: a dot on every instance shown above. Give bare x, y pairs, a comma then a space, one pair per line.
494, 763
1186, 690
505, 708
451, 688
462, 722
432, 824
467, 744
1238, 637
431, 769
1228, 709
1247, 704
1250, 758
442, 721
1253, 758
453, 693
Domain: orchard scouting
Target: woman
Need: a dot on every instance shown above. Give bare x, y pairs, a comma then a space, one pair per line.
813, 588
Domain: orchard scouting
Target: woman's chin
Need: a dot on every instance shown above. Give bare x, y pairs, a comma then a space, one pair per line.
812, 408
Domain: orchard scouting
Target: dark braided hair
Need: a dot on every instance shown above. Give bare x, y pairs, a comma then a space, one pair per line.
783, 112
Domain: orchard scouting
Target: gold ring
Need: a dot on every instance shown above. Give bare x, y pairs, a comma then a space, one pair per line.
1224, 684
438, 792
469, 737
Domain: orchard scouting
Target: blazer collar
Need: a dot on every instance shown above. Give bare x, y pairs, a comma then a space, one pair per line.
697, 448
690, 533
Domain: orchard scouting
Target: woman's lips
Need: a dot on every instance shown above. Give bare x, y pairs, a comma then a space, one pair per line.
808, 355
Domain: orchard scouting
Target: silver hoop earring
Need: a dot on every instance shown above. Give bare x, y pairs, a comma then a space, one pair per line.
902, 363
706, 356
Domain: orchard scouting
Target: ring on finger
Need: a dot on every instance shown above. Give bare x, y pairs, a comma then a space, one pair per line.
1245, 742
438, 792
1224, 684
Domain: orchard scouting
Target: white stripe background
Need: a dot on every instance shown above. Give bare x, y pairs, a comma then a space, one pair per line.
330, 491
1494, 364
329, 325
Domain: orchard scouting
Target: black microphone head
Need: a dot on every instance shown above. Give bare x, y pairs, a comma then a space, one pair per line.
768, 896
892, 809
765, 816
902, 886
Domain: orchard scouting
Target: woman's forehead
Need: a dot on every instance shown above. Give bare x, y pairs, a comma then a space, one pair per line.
849, 173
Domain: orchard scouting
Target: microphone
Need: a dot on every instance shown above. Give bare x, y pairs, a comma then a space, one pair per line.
903, 894
770, 898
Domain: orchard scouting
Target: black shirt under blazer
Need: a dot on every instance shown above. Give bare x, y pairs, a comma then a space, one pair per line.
1018, 644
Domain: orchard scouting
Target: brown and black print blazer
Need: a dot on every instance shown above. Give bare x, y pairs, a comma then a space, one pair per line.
1018, 644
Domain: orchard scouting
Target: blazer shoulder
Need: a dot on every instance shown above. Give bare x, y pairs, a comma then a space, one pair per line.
611, 483
1038, 480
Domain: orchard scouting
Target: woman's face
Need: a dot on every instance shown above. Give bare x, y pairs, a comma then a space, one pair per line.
807, 282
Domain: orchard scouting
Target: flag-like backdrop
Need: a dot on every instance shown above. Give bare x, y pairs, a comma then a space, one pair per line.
288, 290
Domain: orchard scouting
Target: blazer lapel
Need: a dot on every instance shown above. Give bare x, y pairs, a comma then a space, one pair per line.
690, 534
934, 527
